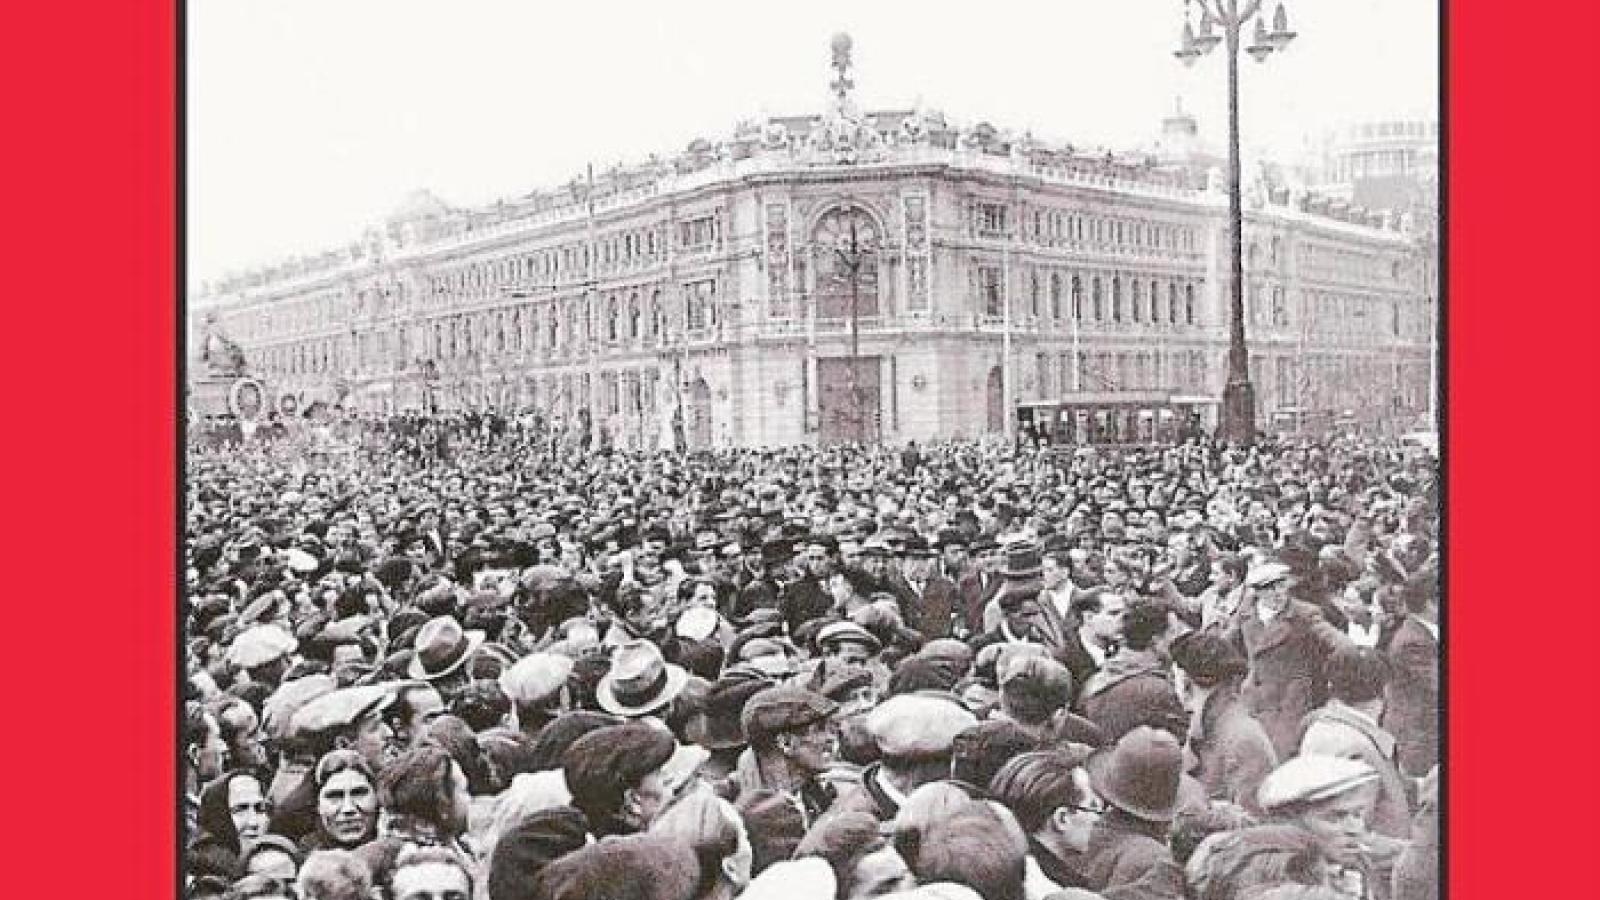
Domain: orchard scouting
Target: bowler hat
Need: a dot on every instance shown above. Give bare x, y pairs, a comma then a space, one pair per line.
1140, 774
441, 648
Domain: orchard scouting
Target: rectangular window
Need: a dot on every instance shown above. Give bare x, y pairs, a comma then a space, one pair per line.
991, 220
991, 283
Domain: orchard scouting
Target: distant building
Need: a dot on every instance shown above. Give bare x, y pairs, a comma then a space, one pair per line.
717, 289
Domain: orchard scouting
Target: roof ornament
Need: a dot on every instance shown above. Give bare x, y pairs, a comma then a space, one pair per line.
844, 137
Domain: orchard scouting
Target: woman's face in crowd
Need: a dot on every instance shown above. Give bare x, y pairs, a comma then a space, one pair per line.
347, 807
248, 807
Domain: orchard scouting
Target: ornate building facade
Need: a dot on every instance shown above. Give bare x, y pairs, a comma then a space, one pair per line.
812, 279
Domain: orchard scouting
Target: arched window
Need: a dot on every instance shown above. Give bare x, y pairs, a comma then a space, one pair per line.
1055, 296
1095, 298
1077, 298
1116, 298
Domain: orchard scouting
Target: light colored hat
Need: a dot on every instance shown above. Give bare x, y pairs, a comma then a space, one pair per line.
283, 703
686, 760
341, 708
639, 680
441, 648
697, 623
536, 678
808, 877
299, 560
847, 632
1310, 778
260, 645
1266, 573
912, 725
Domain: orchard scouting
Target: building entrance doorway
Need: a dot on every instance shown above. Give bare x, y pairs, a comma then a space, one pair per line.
849, 396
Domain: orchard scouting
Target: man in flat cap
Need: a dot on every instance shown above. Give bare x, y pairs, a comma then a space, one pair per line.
793, 745
1287, 643
615, 776
915, 734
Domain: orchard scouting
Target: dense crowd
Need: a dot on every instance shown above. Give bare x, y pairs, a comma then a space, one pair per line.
462, 661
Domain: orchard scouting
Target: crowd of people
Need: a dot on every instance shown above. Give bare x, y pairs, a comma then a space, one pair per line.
487, 666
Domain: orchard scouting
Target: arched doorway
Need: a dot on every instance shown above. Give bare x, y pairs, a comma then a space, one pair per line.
698, 418
996, 400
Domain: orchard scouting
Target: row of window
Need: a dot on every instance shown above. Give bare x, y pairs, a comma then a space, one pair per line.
1114, 298
1054, 226
1185, 371
613, 251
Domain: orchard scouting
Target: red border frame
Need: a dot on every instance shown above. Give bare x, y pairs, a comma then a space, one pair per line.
89, 530
91, 395
1521, 449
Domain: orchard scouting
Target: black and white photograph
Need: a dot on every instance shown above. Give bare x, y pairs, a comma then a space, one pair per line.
704, 451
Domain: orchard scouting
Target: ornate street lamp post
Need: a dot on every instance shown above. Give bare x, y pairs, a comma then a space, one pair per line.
1232, 17
853, 246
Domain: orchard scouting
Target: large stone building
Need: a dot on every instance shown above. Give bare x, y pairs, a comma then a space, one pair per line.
824, 277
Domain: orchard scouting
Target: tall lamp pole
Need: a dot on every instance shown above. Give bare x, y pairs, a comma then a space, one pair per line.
1232, 17
851, 252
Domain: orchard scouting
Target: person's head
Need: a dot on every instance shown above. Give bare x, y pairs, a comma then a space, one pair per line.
260, 887
794, 724
917, 565
1205, 662
204, 752
347, 799
1272, 585
954, 554
241, 732
273, 855
1101, 611
864, 863
915, 734
248, 808
1055, 567
430, 873
1227, 571
481, 704
634, 867
1244, 862
1194, 824
1048, 793
1033, 688
426, 784
334, 875
1331, 797
420, 703
981, 846
713, 828
1357, 676
1147, 626
614, 775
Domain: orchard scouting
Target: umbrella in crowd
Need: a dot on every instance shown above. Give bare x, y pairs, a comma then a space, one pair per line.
464, 660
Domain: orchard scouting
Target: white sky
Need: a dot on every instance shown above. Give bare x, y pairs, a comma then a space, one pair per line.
308, 120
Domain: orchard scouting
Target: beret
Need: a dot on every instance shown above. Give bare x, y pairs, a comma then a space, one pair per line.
779, 709
914, 725
1310, 778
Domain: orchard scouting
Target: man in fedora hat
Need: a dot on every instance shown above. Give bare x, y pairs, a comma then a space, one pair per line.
979, 583
442, 648
640, 681
1137, 779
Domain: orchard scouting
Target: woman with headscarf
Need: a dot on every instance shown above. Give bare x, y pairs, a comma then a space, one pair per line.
233, 814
